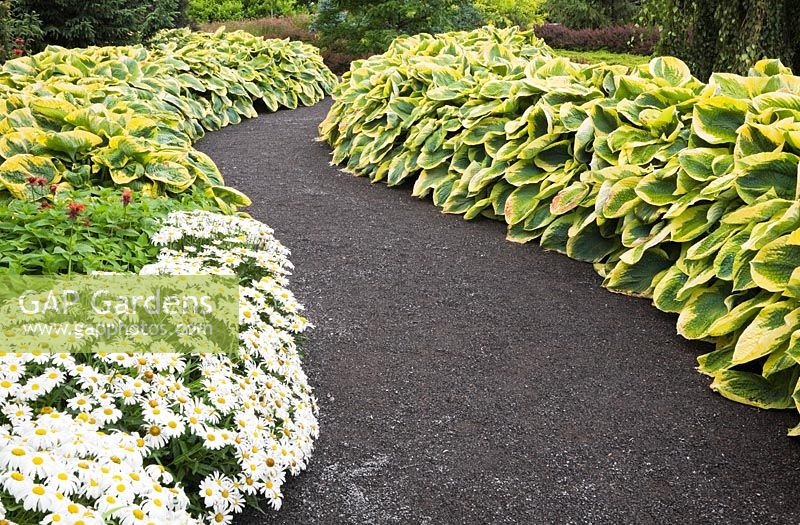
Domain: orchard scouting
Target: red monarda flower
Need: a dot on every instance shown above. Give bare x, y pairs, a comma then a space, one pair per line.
37, 181
127, 194
74, 209
18, 51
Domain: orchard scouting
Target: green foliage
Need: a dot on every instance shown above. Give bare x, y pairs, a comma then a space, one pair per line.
676, 190
78, 23
214, 10
577, 14
596, 57
523, 13
127, 116
20, 30
582, 14
733, 35
364, 27
41, 238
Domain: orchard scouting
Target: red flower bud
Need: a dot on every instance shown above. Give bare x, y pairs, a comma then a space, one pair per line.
45, 206
127, 195
37, 181
74, 209
18, 51
20, 41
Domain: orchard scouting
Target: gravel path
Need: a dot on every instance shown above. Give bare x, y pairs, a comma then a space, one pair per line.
465, 379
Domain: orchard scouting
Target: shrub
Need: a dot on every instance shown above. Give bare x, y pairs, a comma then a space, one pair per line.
676, 190
523, 13
294, 27
366, 27
585, 14
213, 10
79, 23
619, 39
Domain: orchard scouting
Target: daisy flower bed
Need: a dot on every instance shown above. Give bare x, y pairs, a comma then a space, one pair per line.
123, 437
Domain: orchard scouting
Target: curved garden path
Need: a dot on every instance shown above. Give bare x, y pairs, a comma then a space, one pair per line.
465, 379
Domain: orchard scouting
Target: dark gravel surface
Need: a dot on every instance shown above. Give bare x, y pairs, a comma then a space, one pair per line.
465, 379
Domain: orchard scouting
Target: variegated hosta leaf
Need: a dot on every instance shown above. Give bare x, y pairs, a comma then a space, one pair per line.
28, 176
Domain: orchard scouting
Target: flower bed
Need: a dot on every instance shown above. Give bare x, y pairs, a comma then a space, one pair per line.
675, 190
136, 437
97, 174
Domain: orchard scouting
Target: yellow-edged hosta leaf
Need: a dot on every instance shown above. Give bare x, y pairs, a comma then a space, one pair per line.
774, 264
767, 332
28, 176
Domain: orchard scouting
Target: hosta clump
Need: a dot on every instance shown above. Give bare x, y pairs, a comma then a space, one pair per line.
127, 116
119, 436
676, 190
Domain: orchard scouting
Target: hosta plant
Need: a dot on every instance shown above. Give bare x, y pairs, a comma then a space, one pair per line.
127, 116
676, 190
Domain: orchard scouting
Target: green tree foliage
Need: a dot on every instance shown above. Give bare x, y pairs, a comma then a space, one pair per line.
80, 23
220, 10
369, 26
582, 14
727, 35
523, 13
20, 31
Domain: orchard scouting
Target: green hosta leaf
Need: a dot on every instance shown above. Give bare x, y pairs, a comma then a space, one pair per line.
716, 361
21, 141
741, 314
665, 294
723, 262
656, 189
757, 212
556, 235
521, 203
52, 108
697, 162
767, 332
569, 198
774, 264
172, 174
640, 278
717, 119
691, 223
589, 245
126, 174
429, 180
230, 196
756, 138
753, 389
621, 198
762, 172
70, 142
702, 310
671, 70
